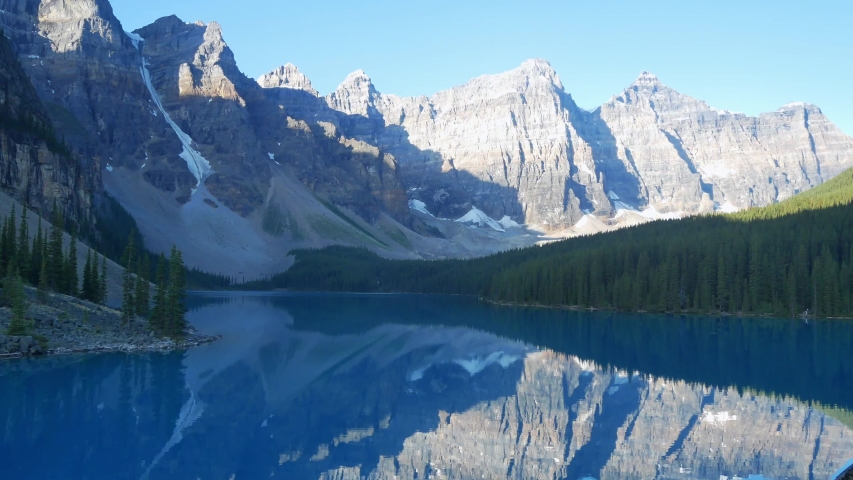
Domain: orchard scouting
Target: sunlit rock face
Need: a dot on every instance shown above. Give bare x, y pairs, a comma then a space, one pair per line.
92, 76
165, 116
516, 144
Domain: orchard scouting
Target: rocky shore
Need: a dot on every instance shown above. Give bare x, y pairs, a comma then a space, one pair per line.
64, 325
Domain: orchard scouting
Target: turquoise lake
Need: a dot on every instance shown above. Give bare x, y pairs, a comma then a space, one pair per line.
316, 386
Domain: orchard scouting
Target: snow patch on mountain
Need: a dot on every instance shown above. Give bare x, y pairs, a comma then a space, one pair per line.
727, 208
473, 365
508, 223
718, 418
652, 214
585, 169
419, 206
135, 38
476, 365
480, 219
588, 225
197, 164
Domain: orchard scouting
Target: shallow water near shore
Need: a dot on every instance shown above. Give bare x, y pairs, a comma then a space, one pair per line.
401, 386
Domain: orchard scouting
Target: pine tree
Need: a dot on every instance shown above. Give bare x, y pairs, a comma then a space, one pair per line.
158, 314
142, 293
56, 259
87, 293
128, 302
722, 284
36, 257
23, 248
176, 312
102, 282
43, 285
14, 285
11, 240
72, 280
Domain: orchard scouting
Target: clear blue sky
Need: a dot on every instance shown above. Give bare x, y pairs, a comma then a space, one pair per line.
744, 55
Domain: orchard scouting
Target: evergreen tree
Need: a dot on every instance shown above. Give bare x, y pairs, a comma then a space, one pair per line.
12, 239
23, 248
87, 292
56, 259
43, 285
722, 285
176, 325
102, 282
128, 303
36, 257
72, 280
158, 313
142, 291
14, 285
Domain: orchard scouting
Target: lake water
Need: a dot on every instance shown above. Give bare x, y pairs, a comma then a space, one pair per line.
385, 387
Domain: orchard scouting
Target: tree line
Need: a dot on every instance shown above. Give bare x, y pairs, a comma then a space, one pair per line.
792, 258
45, 263
167, 316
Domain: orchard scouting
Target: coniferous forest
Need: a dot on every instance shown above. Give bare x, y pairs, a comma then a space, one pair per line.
42, 261
792, 258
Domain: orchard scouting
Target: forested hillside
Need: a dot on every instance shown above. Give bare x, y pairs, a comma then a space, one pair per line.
791, 258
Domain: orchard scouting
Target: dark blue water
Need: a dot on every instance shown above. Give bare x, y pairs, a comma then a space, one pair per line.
383, 387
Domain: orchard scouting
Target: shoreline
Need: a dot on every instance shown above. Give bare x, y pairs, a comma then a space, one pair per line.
162, 345
65, 325
576, 308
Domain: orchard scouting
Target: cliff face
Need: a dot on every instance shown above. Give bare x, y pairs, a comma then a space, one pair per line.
516, 144
36, 167
163, 116
168, 106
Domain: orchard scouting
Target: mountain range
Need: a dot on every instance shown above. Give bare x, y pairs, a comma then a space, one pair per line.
237, 172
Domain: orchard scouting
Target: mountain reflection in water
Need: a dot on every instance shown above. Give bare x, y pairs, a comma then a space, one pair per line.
383, 387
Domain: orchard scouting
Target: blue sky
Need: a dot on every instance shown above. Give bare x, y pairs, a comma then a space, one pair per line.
749, 56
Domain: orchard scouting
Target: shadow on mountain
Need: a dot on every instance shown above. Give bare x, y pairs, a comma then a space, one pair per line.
446, 191
679, 148
617, 178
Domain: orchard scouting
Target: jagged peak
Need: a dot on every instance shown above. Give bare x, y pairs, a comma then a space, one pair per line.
358, 75
540, 67
797, 106
287, 76
647, 79
168, 21
536, 63
356, 80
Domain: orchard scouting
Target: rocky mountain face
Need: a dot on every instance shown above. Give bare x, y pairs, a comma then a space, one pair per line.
200, 88
202, 155
36, 167
166, 116
517, 144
